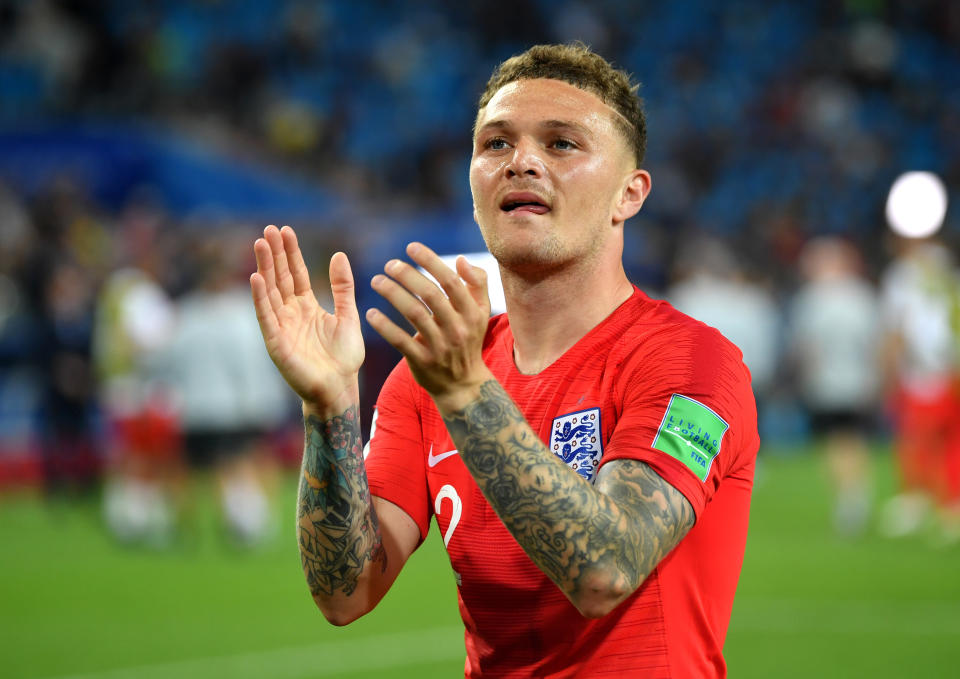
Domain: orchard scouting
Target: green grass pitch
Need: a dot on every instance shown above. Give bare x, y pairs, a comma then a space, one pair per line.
74, 605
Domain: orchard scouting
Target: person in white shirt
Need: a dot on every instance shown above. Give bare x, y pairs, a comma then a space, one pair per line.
833, 332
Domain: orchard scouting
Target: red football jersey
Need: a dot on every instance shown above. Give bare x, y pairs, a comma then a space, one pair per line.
648, 383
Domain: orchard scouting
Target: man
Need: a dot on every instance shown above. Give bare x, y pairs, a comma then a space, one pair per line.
920, 306
588, 455
833, 332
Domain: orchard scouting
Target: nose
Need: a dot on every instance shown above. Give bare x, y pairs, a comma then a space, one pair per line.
525, 161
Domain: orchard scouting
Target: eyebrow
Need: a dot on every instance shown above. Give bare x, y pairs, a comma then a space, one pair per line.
547, 124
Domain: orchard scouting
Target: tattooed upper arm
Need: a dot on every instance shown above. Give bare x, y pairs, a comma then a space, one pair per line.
661, 514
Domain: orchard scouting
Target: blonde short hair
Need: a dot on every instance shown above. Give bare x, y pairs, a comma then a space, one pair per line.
577, 65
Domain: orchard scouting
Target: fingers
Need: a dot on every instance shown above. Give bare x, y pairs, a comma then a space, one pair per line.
476, 279
451, 283
448, 303
461, 295
342, 287
266, 314
282, 276
265, 268
396, 336
409, 306
446, 318
280, 262
298, 268
416, 294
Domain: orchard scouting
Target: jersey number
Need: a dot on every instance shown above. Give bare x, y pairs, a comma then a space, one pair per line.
450, 493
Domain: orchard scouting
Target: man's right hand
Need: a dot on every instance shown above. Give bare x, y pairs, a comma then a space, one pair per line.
319, 354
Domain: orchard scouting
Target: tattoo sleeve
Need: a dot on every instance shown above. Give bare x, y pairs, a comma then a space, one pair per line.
610, 535
337, 526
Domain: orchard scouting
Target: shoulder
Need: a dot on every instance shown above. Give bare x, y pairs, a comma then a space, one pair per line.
662, 334
678, 355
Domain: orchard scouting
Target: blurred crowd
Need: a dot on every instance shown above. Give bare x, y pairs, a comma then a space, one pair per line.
765, 117
129, 355
127, 345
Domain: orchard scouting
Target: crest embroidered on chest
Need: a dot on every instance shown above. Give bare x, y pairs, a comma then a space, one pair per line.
575, 439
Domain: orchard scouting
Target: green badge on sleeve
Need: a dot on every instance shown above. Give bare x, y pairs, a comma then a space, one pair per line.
692, 433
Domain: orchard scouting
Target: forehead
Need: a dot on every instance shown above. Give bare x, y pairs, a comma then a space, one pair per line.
532, 100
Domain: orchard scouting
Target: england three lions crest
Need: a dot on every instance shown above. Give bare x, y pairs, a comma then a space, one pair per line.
575, 439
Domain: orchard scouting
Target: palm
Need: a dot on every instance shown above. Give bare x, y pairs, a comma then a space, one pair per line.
318, 353
315, 351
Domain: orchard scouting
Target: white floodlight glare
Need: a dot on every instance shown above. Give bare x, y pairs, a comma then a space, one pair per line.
916, 205
485, 261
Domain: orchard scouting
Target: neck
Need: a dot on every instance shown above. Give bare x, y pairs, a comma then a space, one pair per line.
550, 315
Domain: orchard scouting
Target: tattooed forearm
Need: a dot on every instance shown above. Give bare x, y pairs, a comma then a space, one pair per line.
336, 524
604, 537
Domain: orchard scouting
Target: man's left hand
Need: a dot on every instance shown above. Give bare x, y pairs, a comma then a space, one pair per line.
445, 354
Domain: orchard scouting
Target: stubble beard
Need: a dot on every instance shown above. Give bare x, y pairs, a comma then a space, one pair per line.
533, 258
537, 257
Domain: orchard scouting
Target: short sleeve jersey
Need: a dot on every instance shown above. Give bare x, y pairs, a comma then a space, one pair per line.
648, 384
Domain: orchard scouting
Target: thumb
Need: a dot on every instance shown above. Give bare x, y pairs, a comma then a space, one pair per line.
476, 279
342, 287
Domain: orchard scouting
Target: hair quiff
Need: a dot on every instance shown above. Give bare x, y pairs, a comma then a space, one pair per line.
577, 65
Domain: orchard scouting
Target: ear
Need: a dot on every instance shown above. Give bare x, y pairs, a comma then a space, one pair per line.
635, 191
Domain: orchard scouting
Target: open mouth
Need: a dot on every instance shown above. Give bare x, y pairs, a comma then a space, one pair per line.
524, 202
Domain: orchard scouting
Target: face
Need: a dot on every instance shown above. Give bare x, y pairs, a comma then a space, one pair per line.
552, 178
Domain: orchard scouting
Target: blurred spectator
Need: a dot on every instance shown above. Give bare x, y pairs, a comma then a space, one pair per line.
229, 394
713, 288
833, 343
19, 328
61, 276
69, 457
921, 309
134, 324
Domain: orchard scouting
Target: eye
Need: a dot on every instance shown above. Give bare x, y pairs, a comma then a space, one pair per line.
562, 144
495, 144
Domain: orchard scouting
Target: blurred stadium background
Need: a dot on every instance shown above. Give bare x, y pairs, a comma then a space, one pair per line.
162, 136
